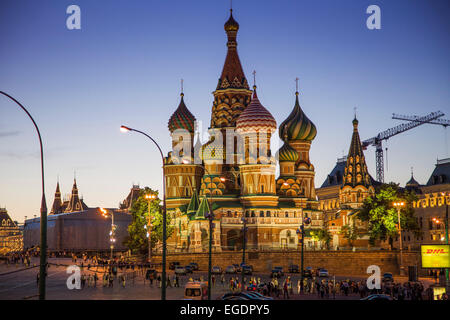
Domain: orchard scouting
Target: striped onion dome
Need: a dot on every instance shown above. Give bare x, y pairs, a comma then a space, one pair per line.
287, 153
182, 118
256, 118
297, 125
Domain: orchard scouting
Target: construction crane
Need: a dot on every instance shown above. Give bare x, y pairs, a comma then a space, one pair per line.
443, 122
389, 133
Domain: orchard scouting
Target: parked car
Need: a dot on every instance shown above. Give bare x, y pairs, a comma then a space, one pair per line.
293, 268
230, 269
308, 272
237, 267
277, 272
387, 277
196, 290
188, 268
180, 270
241, 296
172, 265
216, 270
247, 269
378, 297
194, 266
259, 295
235, 298
323, 273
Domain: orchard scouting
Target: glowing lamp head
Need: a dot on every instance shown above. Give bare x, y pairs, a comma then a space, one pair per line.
223, 179
124, 129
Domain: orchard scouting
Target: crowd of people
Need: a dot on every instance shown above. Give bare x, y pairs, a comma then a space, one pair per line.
121, 270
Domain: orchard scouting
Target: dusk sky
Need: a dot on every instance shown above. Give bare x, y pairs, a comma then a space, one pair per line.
125, 64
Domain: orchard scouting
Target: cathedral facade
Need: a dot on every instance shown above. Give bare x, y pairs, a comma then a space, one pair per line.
232, 178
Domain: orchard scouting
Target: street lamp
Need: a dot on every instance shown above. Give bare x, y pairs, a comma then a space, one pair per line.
301, 233
244, 233
244, 236
43, 220
112, 232
399, 206
164, 215
150, 198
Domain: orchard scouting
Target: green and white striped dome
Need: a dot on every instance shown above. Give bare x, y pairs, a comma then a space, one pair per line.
287, 153
297, 126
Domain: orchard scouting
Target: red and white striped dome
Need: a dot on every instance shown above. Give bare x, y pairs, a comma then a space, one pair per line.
256, 118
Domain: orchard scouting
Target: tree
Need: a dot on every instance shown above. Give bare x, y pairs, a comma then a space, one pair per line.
381, 215
137, 240
350, 232
322, 235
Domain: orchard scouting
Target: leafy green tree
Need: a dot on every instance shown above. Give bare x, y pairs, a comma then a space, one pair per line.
137, 240
381, 215
350, 232
322, 235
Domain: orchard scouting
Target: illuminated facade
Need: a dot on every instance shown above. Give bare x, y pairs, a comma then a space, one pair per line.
434, 197
234, 172
11, 238
343, 193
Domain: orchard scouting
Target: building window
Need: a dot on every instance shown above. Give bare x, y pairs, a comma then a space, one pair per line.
267, 213
261, 214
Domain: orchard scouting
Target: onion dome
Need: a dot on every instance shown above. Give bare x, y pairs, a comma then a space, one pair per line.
287, 153
256, 118
297, 125
182, 118
212, 151
412, 182
231, 24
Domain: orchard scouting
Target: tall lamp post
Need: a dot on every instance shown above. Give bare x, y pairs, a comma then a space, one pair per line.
301, 233
43, 220
112, 232
164, 215
399, 206
244, 233
244, 236
150, 198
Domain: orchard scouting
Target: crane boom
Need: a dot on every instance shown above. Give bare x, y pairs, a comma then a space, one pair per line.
442, 122
389, 133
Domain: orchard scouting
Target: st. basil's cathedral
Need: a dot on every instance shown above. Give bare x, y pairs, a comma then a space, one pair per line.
245, 188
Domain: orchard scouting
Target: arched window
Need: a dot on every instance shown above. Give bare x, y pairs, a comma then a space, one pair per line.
261, 214
267, 213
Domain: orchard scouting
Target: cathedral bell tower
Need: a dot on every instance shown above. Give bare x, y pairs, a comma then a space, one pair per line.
231, 97
181, 173
296, 181
256, 126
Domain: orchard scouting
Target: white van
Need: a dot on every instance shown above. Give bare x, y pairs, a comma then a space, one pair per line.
196, 290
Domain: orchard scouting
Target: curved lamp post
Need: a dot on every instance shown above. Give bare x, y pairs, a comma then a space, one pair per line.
43, 221
164, 217
244, 234
398, 206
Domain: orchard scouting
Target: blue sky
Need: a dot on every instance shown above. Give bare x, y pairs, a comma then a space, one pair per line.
125, 64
